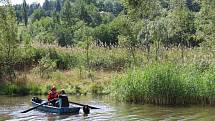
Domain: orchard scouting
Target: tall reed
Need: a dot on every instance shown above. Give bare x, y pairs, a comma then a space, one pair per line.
166, 83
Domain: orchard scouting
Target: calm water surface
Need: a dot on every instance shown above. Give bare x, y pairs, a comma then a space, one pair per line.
10, 108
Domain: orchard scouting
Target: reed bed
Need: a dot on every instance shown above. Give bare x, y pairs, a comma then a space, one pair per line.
166, 84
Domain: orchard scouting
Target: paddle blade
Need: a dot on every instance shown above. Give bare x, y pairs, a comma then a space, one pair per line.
84, 105
93, 107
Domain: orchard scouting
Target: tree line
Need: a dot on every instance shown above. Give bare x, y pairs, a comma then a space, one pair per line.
170, 22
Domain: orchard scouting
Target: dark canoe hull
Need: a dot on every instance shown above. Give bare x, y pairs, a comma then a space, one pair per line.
51, 109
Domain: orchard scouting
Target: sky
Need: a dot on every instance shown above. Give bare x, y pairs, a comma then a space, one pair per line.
28, 1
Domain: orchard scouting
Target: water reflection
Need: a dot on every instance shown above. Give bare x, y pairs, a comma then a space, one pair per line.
10, 108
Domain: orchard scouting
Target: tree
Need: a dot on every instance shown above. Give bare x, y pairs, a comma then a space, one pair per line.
157, 34
38, 14
107, 34
87, 12
58, 6
67, 28
85, 44
181, 25
205, 22
18, 9
193, 5
43, 30
32, 8
25, 12
46, 5
49, 7
128, 37
8, 41
145, 11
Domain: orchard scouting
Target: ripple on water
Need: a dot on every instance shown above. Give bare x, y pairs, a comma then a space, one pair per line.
110, 111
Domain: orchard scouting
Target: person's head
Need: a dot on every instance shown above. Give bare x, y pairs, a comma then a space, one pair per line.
63, 91
53, 88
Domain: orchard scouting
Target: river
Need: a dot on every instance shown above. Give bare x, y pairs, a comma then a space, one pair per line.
10, 108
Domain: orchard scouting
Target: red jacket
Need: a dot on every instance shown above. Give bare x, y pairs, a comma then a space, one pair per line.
52, 95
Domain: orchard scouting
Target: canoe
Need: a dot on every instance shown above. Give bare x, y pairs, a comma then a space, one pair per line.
51, 109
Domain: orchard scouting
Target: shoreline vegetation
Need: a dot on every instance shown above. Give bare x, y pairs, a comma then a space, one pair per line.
167, 81
160, 52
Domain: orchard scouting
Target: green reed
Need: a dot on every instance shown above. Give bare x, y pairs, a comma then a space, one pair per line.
166, 83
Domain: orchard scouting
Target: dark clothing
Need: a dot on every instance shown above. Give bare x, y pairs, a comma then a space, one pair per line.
63, 100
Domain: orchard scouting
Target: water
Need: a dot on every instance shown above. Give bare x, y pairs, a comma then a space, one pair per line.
10, 108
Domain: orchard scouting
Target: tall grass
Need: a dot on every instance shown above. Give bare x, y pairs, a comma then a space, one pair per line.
155, 83
166, 83
32, 83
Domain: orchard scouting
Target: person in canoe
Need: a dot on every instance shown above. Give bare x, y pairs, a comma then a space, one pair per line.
63, 99
53, 95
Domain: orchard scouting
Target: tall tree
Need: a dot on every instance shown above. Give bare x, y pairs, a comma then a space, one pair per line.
46, 5
58, 6
147, 9
18, 9
25, 12
8, 41
181, 25
129, 33
205, 22
66, 33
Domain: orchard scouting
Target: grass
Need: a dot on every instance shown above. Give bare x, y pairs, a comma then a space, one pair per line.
167, 83
70, 80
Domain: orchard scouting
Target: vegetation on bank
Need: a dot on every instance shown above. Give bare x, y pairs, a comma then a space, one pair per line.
167, 83
33, 84
159, 51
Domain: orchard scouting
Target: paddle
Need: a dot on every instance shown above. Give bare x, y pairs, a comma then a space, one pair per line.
36, 107
84, 105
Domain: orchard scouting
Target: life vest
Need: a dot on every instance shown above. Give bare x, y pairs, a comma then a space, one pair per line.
52, 95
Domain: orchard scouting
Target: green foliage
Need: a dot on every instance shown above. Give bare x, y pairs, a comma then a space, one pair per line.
8, 41
142, 8
38, 14
107, 34
42, 30
96, 88
166, 84
87, 12
83, 33
204, 23
46, 67
186, 22
25, 12
67, 28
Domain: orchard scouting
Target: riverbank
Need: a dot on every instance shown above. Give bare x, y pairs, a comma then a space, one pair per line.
162, 78
72, 81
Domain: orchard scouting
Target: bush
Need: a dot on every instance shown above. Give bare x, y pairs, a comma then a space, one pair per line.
46, 67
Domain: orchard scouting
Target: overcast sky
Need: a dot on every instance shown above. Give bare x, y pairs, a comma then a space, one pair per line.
28, 1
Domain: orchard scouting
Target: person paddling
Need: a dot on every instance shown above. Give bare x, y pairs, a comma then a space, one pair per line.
63, 99
52, 94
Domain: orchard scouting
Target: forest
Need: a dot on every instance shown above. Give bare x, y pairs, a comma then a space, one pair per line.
147, 51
